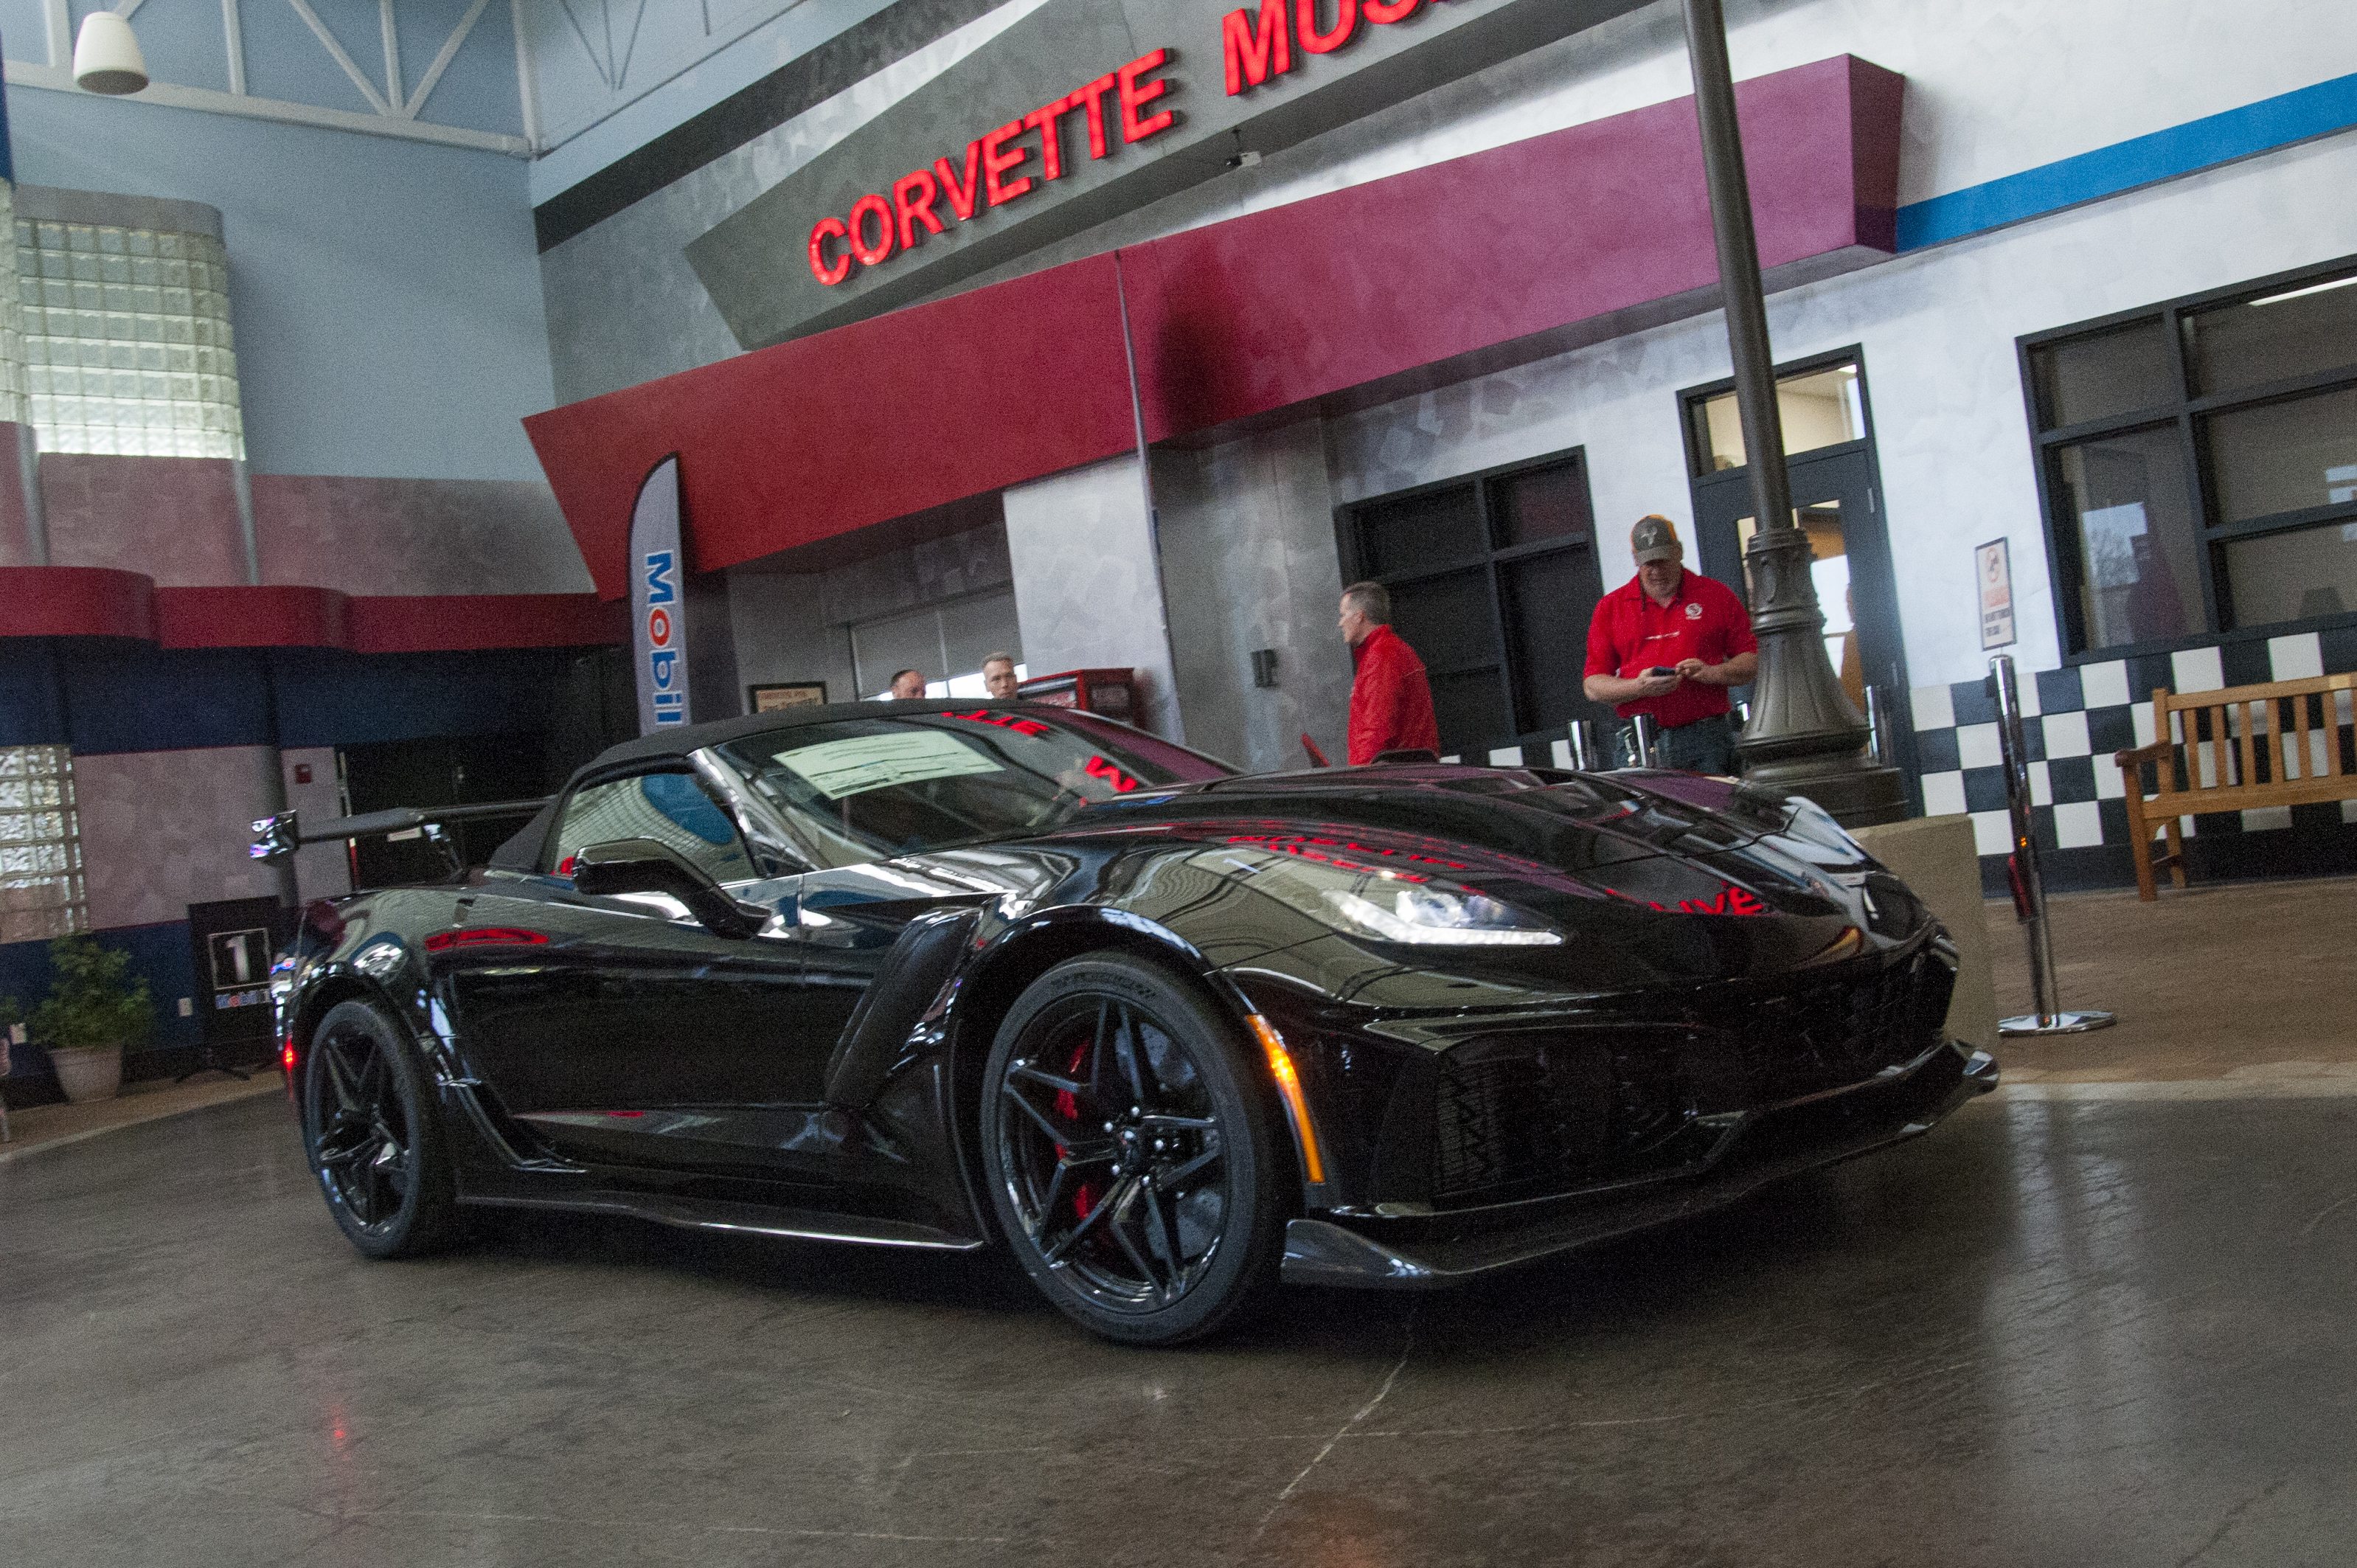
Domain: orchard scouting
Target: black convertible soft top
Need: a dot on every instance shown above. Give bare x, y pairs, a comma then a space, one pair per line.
673, 742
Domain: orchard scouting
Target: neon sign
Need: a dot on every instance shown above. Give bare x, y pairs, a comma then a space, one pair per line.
1255, 47
876, 229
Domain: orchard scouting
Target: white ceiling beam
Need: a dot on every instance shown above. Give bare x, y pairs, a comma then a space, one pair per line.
527, 93
426, 83
57, 19
127, 9
233, 40
59, 79
392, 30
335, 51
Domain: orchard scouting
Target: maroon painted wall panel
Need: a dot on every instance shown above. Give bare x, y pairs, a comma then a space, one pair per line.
96, 601
396, 623
815, 438
244, 617
75, 601
870, 422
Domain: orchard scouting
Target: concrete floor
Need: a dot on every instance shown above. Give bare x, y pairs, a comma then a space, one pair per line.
2076, 1333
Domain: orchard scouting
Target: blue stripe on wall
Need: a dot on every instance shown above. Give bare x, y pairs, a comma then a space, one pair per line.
331, 698
2271, 122
133, 696
29, 711
126, 696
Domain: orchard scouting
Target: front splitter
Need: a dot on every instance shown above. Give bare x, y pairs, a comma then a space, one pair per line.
1426, 1254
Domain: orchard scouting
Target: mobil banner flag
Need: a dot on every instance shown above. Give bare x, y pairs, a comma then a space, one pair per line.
659, 600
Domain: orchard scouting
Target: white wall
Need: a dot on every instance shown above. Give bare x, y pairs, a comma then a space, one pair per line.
1994, 87
1942, 381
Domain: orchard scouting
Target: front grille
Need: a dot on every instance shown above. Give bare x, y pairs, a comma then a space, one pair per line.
1528, 1113
1825, 1034
1520, 1115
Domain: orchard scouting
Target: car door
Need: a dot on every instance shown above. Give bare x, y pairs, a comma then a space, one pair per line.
618, 1027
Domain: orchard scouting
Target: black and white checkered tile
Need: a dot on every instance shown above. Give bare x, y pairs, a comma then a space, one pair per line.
2074, 720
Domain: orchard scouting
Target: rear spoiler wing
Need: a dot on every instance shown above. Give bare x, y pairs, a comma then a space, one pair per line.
275, 838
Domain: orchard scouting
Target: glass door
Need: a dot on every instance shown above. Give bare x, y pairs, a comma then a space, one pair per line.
1837, 500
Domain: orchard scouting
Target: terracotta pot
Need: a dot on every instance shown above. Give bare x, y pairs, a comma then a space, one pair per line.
87, 1072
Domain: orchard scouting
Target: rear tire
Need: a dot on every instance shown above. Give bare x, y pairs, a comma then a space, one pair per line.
373, 1137
1133, 1157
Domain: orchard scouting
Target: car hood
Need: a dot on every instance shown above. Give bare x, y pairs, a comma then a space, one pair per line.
1663, 839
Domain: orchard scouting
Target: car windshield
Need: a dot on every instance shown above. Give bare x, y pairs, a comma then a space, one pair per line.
866, 788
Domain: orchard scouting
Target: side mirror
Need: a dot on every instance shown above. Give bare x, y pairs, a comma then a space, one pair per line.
646, 866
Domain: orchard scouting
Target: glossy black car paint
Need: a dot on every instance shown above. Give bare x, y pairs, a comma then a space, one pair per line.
1740, 994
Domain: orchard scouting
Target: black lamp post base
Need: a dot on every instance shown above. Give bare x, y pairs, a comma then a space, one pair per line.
1854, 791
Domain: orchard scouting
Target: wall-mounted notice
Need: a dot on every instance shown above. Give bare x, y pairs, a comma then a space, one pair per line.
1993, 569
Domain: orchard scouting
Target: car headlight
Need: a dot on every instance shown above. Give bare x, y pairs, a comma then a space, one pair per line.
1345, 886
1435, 918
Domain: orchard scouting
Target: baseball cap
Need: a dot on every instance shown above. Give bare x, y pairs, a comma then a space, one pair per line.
1655, 538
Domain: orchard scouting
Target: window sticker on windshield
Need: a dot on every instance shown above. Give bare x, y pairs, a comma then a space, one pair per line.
839, 767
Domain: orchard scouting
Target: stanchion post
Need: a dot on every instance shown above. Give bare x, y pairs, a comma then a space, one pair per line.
1587, 757
2047, 1018
1644, 739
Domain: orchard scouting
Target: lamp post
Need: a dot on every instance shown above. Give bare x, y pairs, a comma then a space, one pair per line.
1805, 737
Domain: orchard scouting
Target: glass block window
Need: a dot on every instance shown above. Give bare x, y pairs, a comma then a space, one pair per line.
126, 341
41, 890
12, 336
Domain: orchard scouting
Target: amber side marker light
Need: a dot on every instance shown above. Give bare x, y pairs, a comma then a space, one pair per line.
1288, 1084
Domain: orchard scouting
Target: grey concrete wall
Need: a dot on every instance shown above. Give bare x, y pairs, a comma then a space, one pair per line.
783, 634
173, 518
792, 625
1086, 589
1248, 556
414, 536
162, 830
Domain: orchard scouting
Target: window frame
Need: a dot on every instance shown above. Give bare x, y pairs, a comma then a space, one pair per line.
1490, 561
551, 856
2183, 413
1692, 399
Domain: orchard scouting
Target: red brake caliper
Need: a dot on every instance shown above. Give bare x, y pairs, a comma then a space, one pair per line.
1067, 1106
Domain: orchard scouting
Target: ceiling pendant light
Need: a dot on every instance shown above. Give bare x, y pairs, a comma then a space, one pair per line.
106, 57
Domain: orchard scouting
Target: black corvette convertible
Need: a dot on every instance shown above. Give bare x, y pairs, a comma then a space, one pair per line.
933, 975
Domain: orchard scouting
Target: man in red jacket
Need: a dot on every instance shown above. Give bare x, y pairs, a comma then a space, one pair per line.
1391, 702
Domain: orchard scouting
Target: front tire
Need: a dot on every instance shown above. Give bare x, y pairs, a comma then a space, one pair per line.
1132, 1156
372, 1136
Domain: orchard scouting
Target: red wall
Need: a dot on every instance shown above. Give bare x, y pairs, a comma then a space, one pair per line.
1436, 270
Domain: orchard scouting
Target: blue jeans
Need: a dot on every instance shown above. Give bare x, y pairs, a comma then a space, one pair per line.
1705, 745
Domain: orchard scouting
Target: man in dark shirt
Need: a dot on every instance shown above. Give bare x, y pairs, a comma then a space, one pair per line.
1669, 642
1391, 701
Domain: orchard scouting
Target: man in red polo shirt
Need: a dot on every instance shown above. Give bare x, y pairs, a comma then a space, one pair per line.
1669, 642
1391, 701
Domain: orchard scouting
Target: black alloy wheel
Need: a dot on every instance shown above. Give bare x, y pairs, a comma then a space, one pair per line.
372, 1136
1132, 1152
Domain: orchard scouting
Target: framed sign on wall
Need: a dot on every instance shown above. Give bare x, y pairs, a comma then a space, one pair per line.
785, 695
1992, 568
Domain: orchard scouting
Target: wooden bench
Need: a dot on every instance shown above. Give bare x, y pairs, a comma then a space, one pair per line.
2237, 749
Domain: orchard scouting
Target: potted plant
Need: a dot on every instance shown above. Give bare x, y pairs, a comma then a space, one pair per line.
94, 1010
